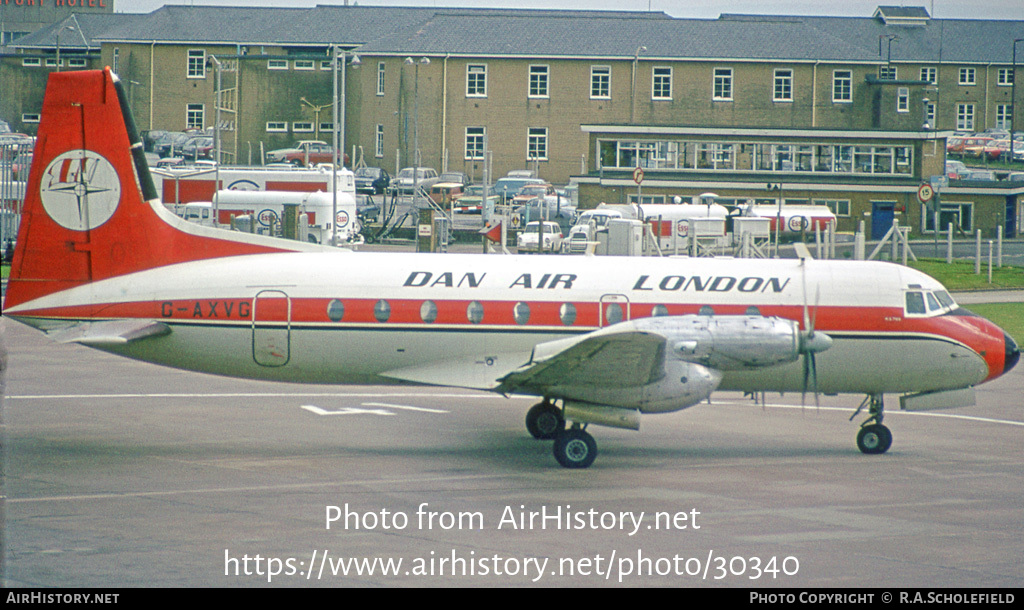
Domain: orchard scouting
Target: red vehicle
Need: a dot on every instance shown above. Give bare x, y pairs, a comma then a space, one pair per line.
304, 153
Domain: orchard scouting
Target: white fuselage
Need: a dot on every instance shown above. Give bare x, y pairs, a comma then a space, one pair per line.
347, 317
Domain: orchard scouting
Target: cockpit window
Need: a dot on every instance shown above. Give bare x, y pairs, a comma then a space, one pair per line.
921, 302
915, 303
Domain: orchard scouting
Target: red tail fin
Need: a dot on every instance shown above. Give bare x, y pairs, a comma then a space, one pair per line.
90, 210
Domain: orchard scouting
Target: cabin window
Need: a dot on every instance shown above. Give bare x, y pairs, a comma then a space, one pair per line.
382, 311
475, 312
428, 312
567, 313
521, 313
613, 313
335, 310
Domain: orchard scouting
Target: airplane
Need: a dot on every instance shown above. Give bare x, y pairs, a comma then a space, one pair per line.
101, 262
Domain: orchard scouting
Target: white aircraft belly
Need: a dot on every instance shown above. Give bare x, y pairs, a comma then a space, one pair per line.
873, 364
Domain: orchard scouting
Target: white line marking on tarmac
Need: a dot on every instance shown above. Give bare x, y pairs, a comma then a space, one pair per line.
987, 420
259, 395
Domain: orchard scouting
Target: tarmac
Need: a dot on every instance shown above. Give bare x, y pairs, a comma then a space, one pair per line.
124, 474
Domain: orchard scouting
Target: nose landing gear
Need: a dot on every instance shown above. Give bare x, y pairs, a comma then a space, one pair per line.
873, 437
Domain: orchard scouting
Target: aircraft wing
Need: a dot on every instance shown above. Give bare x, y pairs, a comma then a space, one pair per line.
628, 358
110, 332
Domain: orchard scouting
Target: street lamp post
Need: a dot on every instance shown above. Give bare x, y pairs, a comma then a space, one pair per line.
338, 129
1013, 95
72, 28
632, 96
416, 127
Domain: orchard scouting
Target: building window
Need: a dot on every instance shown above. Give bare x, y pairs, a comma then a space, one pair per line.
116, 61
839, 207
842, 86
326, 127
277, 64
661, 85
380, 78
31, 62
886, 72
277, 127
302, 127
30, 118
1004, 116
538, 81
475, 142
722, 84
903, 99
76, 63
326, 65
1004, 77
194, 114
930, 75
196, 63
929, 114
476, 80
965, 117
600, 82
537, 144
783, 91
304, 64
967, 76
379, 142
51, 62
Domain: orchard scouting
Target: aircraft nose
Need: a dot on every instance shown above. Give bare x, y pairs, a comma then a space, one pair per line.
1012, 353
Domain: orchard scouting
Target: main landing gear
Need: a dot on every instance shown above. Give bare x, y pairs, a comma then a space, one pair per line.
873, 436
574, 447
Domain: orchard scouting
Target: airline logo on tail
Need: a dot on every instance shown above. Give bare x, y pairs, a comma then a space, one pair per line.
80, 190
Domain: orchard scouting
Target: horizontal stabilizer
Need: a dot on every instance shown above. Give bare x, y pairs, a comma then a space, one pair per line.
110, 332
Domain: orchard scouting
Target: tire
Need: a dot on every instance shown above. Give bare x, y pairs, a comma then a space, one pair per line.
575, 448
874, 439
544, 421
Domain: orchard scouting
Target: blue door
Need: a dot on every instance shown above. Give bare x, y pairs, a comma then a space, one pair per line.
882, 213
1011, 218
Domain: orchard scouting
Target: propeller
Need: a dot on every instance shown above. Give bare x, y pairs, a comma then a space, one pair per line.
811, 342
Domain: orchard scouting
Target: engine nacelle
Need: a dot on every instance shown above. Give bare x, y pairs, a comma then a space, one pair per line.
683, 384
727, 342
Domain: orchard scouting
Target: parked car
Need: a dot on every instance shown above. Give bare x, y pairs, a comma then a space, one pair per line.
372, 180
304, 153
507, 187
980, 174
445, 194
169, 144
1018, 150
425, 177
540, 236
454, 177
472, 200
955, 170
955, 143
977, 146
200, 147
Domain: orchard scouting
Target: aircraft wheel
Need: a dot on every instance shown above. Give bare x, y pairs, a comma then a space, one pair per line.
873, 439
544, 421
575, 448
